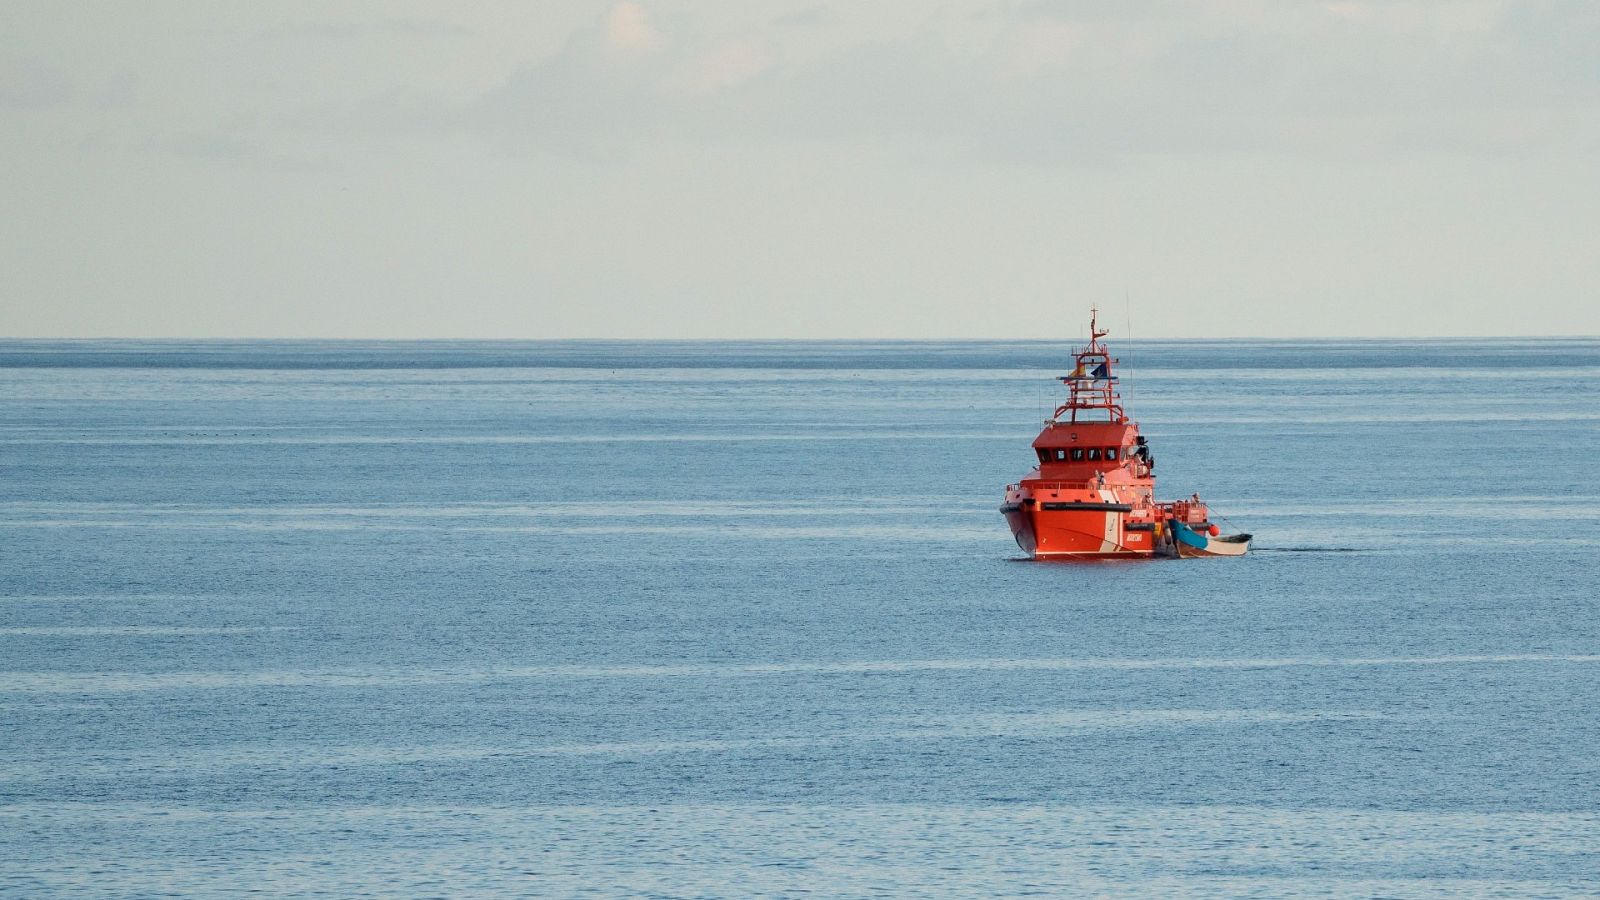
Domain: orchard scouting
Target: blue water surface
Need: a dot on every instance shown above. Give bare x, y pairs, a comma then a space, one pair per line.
723, 619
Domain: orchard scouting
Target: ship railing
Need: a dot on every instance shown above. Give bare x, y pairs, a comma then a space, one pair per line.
1064, 485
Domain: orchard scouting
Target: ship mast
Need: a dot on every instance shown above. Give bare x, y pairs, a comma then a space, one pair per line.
1092, 384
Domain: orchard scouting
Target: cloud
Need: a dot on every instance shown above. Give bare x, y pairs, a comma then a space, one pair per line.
721, 67
1073, 82
32, 84
802, 18
1039, 46
236, 148
389, 27
627, 28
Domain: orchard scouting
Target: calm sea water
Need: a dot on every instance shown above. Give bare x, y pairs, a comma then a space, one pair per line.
709, 619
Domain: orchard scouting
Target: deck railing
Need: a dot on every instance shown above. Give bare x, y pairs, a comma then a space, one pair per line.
1061, 486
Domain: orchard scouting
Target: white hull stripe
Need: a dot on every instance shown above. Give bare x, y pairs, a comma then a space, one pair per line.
1113, 519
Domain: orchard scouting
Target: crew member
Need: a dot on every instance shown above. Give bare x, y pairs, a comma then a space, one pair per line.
1143, 452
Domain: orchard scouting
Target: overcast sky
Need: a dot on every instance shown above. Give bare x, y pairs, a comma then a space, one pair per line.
728, 168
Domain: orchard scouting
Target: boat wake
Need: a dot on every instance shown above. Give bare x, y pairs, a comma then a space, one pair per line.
1316, 549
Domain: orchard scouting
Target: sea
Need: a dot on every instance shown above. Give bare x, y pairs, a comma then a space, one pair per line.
733, 619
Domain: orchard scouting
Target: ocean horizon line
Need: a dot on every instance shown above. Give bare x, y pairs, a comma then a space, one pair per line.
283, 339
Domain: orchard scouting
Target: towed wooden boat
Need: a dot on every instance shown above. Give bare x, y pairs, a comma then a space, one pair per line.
1190, 542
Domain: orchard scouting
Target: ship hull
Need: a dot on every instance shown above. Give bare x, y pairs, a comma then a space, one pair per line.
1077, 531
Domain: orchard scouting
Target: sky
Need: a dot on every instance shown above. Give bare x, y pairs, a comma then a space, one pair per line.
799, 169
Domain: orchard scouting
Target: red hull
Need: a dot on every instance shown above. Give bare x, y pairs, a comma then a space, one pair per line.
1083, 523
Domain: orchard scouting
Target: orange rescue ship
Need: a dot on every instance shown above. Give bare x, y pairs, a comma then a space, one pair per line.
1092, 496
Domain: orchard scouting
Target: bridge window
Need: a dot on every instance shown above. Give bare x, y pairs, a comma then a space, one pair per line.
1111, 454
1094, 454
1044, 455
1077, 454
